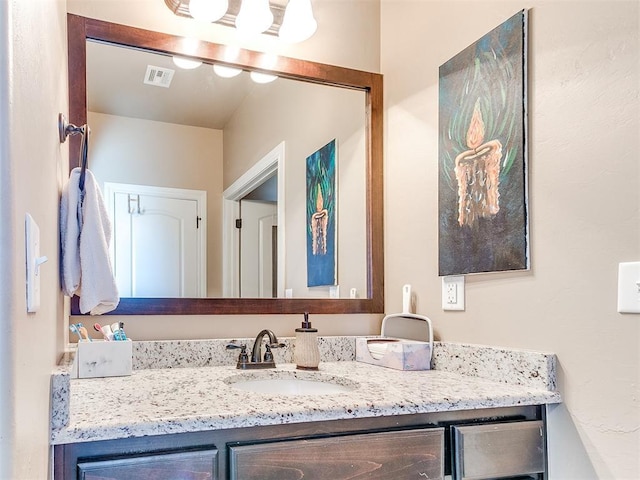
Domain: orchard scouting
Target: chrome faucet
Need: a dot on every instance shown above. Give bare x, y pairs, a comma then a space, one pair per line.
256, 360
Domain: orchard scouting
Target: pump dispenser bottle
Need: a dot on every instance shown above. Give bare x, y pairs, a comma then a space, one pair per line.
306, 353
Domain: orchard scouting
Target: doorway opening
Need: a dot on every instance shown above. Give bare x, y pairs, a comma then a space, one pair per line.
255, 271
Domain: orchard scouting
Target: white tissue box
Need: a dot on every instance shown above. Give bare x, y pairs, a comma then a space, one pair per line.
101, 358
396, 353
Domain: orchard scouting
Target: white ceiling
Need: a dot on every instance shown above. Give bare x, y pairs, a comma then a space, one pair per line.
196, 97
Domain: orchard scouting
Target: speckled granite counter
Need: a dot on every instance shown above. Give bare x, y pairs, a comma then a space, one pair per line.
156, 401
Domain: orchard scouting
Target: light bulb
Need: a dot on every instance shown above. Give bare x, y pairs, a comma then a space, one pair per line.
259, 77
226, 72
186, 63
255, 17
298, 23
208, 10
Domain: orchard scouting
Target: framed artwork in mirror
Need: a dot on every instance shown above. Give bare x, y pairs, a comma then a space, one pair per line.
483, 217
322, 199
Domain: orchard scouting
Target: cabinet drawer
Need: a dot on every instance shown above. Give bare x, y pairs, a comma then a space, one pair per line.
197, 465
407, 454
498, 450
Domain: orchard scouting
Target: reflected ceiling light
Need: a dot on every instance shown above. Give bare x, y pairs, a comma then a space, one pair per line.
259, 77
254, 17
208, 10
298, 23
226, 72
186, 63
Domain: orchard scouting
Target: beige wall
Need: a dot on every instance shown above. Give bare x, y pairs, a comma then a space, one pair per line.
584, 208
144, 152
306, 117
33, 86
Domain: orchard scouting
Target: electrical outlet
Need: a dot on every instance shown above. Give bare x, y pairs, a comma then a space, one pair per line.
453, 293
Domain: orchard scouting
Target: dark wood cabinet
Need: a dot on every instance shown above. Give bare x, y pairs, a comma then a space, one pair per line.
402, 447
387, 455
499, 450
196, 465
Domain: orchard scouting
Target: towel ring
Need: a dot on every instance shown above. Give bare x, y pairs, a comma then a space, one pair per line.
64, 130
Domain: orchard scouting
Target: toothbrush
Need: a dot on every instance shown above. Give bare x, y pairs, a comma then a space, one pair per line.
83, 332
118, 331
74, 329
105, 331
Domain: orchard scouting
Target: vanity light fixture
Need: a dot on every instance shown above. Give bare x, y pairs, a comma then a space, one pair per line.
299, 23
267, 61
208, 10
226, 72
292, 23
255, 17
186, 63
259, 77
230, 72
190, 47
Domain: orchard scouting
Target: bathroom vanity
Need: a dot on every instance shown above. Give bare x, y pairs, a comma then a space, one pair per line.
194, 422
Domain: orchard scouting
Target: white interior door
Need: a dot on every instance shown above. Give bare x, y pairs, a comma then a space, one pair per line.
157, 245
257, 241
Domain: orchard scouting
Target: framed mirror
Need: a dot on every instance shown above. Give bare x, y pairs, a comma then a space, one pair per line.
85, 35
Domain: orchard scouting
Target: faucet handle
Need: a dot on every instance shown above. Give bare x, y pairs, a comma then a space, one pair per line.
268, 355
243, 358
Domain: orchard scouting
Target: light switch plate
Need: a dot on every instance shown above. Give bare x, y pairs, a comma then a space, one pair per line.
453, 293
33, 260
629, 287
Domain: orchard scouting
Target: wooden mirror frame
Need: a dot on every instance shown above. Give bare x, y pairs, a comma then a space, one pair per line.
81, 29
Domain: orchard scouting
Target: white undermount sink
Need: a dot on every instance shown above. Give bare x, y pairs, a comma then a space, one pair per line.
289, 385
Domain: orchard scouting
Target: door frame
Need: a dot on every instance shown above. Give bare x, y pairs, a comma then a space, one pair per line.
199, 196
273, 161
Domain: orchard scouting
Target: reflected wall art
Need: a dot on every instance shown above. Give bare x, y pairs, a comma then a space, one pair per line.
322, 198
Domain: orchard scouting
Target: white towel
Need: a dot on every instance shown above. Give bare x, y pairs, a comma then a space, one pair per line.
85, 231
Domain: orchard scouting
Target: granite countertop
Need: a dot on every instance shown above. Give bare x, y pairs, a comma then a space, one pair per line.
154, 401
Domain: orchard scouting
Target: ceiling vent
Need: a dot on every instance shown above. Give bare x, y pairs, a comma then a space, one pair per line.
158, 76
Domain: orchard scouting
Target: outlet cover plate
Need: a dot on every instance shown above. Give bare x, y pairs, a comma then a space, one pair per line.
453, 292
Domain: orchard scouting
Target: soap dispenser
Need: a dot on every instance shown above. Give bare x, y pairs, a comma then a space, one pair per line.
306, 353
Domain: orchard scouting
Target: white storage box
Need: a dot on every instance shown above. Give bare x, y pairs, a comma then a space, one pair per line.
397, 353
101, 358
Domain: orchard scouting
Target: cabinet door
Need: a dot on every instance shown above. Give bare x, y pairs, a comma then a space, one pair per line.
199, 465
499, 450
403, 455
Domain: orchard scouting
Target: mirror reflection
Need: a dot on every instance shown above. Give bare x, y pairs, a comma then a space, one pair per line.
184, 157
